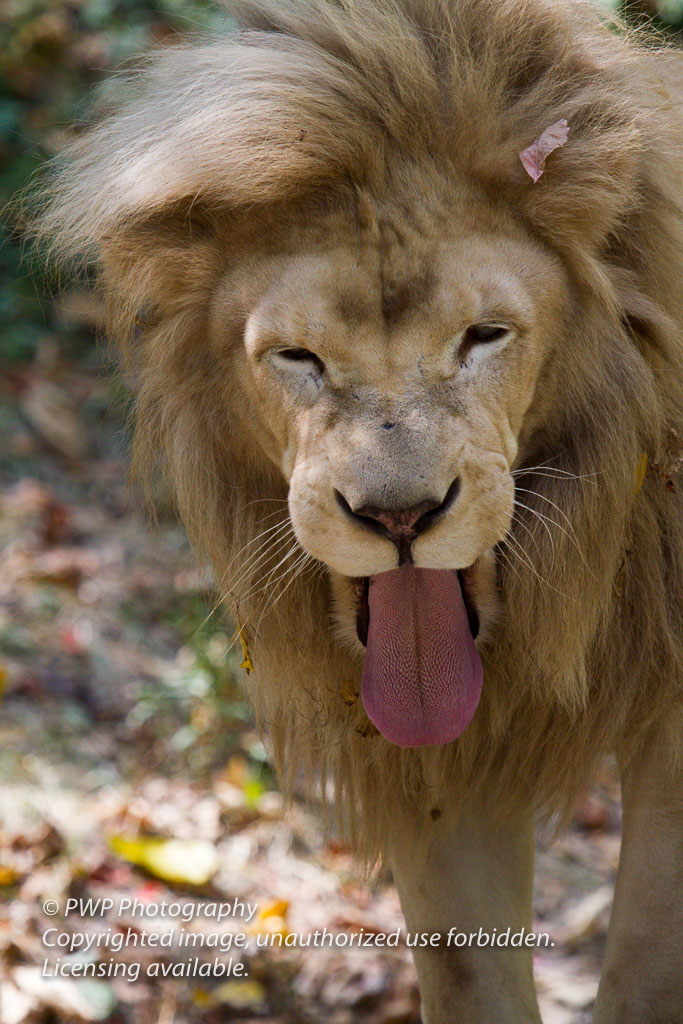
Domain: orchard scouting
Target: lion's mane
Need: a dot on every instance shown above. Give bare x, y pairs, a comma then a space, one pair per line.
317, 102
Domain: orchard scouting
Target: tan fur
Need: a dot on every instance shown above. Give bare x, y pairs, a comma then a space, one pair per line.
308, 121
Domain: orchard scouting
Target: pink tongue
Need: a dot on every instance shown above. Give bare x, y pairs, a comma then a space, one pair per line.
422, 675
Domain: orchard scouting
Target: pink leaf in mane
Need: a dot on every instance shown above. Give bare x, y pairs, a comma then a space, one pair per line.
534, 156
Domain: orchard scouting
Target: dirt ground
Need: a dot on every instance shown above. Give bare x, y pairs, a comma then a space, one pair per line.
130, 770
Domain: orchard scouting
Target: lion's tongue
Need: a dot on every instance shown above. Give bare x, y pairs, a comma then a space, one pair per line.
422, 675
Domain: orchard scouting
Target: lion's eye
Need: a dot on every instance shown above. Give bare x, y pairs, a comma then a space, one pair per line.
479, 333
299, 358
296, 354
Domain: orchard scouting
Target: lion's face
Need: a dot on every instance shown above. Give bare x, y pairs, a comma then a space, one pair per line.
394, 373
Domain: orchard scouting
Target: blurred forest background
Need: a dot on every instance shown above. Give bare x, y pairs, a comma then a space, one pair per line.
129, 763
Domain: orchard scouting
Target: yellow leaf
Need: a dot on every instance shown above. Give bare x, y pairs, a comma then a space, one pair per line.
641, 470
276, 908
8, 876
191, 861
4, 676
242, 993
272, 918
349, 694
235, 771
274, 926
200, 997
247, 663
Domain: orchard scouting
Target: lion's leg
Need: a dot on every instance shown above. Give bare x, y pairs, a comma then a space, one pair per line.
642, 980
470, 877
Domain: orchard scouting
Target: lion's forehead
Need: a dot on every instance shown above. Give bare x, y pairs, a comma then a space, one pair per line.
352, 298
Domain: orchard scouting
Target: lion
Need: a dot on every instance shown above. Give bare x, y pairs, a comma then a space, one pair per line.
422, 413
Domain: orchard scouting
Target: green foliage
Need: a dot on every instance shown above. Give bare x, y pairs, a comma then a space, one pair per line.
666, 14
53, 56
671, 12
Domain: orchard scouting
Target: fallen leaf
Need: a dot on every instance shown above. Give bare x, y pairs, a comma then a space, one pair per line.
8, 876
349, 693
52, 413
401, 1010
235, 771
200, 997
55, 518
149, 892
63, 566
240, 994
247, 663
363, 985
86, 998
641, 470
567, 987
534, 156
587, 917
272, 918
190, 861
276, 908
15, 1005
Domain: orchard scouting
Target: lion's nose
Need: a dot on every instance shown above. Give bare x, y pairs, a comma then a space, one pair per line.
402, 526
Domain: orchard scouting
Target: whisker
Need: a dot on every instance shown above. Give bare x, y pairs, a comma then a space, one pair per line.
537, 494
269, 572
259, 536
296, 573
508, 540
522, 554
546, 519
269, 582
554, 472
274, 547
271, 542
573, 537
518, 550
257, 501
542, 519
275, 537
507, 560
517, 519
296, 569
